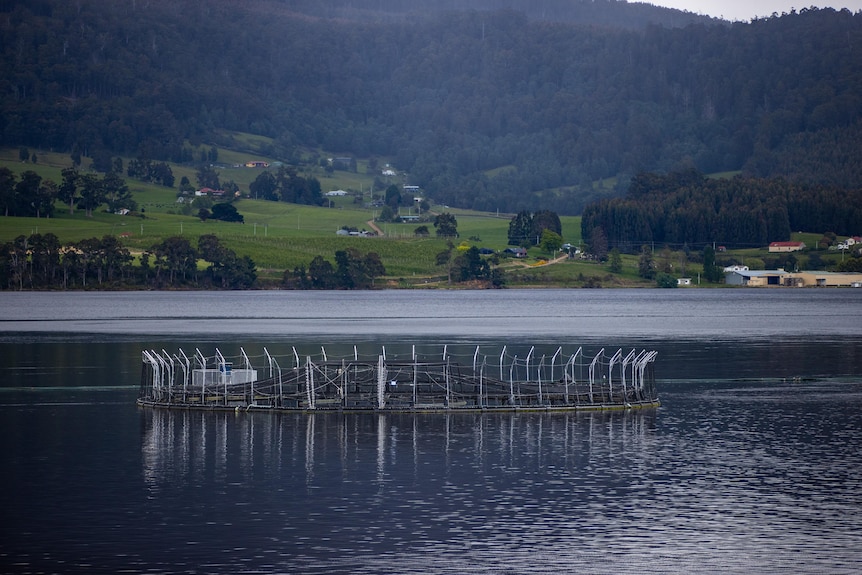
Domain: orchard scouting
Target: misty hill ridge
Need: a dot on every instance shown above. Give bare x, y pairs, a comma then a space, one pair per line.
484, 109
610, 13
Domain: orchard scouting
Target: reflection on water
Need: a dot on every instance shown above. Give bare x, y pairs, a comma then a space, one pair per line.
197, 445
751, 465
725, 477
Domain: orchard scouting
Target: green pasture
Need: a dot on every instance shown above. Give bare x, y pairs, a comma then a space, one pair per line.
280, 236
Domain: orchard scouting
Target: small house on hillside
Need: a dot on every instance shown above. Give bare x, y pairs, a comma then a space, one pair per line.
209, 192
516, 252
256, 164
785, 247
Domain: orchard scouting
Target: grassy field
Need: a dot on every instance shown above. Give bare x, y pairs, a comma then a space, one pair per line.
277, 236
281, 236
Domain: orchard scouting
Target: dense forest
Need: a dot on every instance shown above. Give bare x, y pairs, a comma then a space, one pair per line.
488, 109
688, 209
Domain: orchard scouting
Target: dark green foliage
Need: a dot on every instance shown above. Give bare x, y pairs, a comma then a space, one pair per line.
91, 193
226, 213
711, 272
41, 262
8, 198
551, 241
175, 263
487, 110
545, 220
25, 192
646, 265
31, 196
321, 274
117, 193
665, 280
357, 271
815, 262
446, 225
851, 265
392, 198
615, 261
498, 280
149, 171
226, 269
525, 228
264, 187
207, 177
353, 270
598, 243
102, 161
296, 189
520, 229
387, 215
687, 208
471, 266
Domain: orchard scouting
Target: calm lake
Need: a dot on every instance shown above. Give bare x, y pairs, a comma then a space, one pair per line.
751, 465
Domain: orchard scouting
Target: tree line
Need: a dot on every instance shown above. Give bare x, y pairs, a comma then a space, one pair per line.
352, 270
485, 109
287, 185
526, 228
41, 261
687, 208
34, 196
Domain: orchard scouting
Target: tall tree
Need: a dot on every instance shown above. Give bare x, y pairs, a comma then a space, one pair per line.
226, 213
68, 190
92, 194
471, 266
374, 266
447, 225
116, 258
615, 261
46, 194
7, 192
545, 220
176, 257
117, 194
711, 272
392, 198
550, 241
646, 266
27, 191
44, 258
520, 229
321, 273
207, 177
264, 187
599, 243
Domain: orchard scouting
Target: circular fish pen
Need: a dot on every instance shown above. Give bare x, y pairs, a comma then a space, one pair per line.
439, 381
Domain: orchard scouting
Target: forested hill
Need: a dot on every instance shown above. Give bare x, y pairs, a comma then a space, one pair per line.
610, 13
484, 109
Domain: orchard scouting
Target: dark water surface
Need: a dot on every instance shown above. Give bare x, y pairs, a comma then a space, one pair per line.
752, 464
